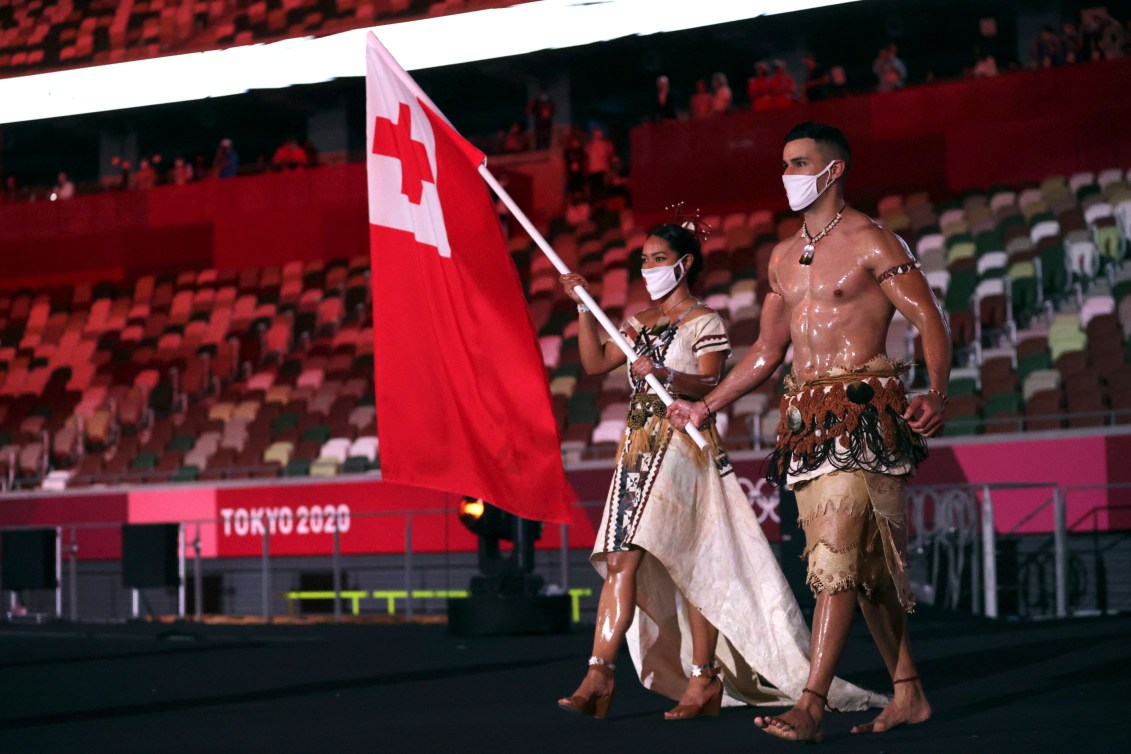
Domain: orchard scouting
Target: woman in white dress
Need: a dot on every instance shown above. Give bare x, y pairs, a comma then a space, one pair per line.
683, 557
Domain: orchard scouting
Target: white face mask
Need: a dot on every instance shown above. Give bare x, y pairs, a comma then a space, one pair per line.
662, 280
802, 189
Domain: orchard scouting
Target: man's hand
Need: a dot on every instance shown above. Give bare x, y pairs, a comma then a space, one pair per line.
681, 413
925, 414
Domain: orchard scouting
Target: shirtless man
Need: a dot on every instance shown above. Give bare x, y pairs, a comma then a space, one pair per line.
848, 437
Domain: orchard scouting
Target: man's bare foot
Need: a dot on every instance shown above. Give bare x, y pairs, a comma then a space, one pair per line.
908, 707
796, 725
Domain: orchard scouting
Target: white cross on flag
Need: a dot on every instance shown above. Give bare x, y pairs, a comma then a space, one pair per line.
401, 154
463, 404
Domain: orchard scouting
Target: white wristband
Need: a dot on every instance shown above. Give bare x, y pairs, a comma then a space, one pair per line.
582, 308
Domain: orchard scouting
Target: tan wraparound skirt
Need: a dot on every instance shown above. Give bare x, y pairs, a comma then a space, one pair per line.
856, 533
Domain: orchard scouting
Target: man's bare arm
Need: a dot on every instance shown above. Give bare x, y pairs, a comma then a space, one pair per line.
907, 288
761, 360
755, 367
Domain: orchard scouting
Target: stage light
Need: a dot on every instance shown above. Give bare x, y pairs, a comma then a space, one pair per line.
506, 597
492, 523
470, 511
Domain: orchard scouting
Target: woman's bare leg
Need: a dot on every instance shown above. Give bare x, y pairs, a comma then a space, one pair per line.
700, 689
615, 610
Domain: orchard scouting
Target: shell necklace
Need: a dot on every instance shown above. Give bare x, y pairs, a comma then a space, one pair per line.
811, 241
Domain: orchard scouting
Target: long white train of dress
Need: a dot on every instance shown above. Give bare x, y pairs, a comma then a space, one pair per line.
702, 540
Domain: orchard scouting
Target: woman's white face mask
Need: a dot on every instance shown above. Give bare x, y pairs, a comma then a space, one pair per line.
662, 280
802, 189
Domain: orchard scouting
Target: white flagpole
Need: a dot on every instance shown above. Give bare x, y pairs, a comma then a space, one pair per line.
606, 323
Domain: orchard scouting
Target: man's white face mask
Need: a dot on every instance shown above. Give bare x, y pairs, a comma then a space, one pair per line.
661, 281
801, 190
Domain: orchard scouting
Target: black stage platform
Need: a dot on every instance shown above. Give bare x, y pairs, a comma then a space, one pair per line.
996, 687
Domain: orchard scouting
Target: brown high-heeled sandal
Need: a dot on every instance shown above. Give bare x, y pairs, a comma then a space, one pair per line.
714, 703
596, 706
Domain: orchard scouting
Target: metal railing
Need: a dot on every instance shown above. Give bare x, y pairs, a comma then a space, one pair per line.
947, 522
953, 529
191, 533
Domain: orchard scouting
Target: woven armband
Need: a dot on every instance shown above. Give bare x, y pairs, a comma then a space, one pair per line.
899, 269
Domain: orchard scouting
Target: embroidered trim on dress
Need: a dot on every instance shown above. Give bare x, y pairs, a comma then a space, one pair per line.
710, 341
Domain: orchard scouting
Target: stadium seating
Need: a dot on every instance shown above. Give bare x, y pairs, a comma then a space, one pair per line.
176, 378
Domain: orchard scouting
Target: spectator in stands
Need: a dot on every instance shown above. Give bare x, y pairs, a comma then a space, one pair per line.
1113, 37
702, 102
1090, 32
515, 140
760, 87
289, 156
721, 93
574, 156
577, 209
226, 163
616, 186
598, 156
665, 101
1047, 50
64, 188
11, 191
311, 152
985, 66
146, 177
818, 82
890, 71
1071, 43
181, 172
783, 88
126, 171
542, 110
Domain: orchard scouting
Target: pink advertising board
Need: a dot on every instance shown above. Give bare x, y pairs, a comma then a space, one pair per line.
300, 516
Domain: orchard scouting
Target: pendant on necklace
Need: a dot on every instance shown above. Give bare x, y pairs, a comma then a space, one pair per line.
806, 254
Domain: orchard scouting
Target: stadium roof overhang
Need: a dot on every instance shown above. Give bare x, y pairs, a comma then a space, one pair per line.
423, 43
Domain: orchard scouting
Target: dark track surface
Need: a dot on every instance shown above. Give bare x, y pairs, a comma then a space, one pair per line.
996, 687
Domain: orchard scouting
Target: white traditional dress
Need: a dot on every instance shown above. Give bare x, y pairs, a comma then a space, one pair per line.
703, 544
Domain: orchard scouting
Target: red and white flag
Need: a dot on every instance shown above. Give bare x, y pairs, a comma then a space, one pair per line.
462, 399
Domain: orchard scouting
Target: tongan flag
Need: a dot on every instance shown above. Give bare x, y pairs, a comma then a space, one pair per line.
462, 399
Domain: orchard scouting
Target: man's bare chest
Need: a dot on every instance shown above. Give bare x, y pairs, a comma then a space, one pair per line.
834, 276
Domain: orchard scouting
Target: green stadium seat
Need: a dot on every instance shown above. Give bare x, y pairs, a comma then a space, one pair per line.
186, 474
319, 433
182, 443
144, 462
1002, 403
355, 465
297, 467
285, 420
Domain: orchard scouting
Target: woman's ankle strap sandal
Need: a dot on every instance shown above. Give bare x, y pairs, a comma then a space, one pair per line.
710, 670
909, 679
603, 667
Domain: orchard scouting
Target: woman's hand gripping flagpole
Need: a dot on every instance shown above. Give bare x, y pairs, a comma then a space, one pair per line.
606, 323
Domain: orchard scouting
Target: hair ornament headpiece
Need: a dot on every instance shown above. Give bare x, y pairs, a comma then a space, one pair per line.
690, 220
